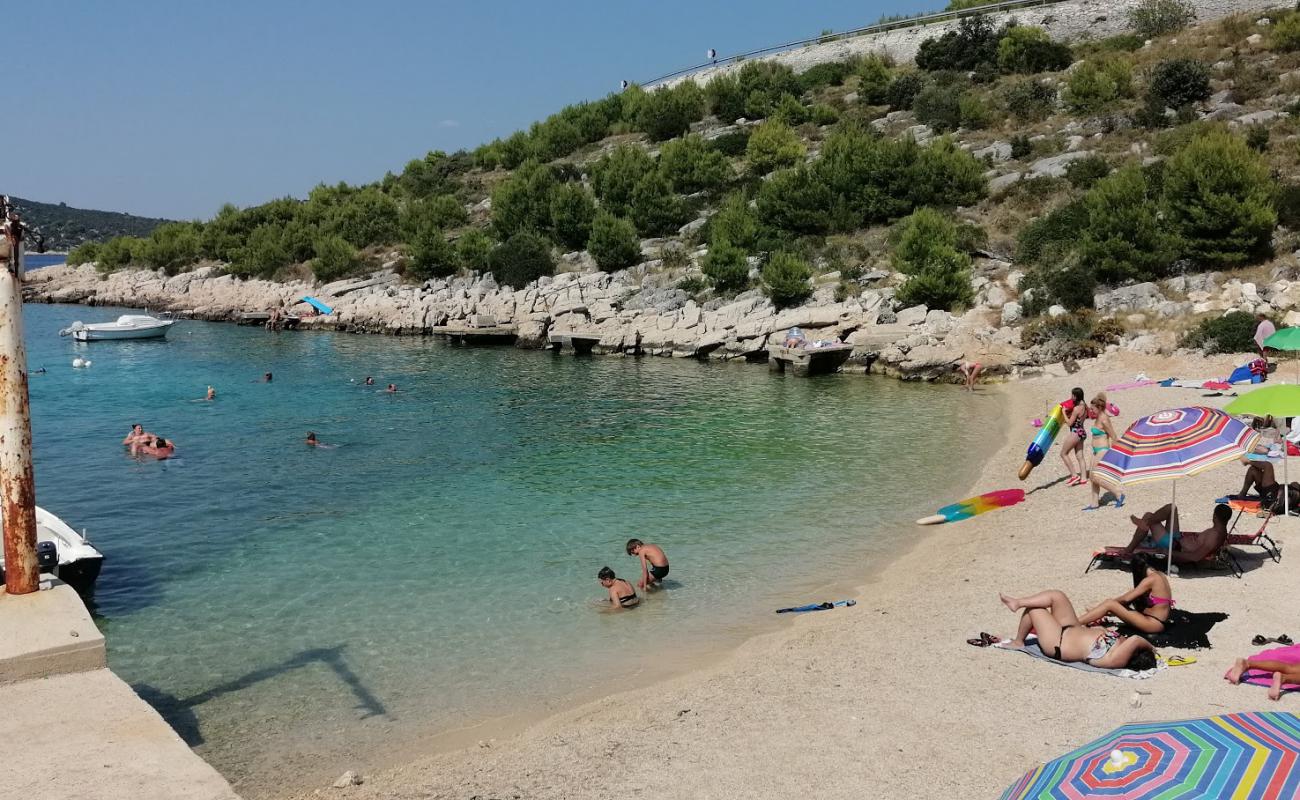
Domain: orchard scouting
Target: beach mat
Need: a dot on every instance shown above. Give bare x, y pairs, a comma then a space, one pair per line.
1186, 630
1031, 648
1287, 655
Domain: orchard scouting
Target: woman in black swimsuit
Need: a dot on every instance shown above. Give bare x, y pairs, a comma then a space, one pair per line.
1051, 616
1076, 412
621, 593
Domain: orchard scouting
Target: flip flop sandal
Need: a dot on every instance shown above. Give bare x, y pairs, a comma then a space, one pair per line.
1260, 640
1091, 508
977, 643
1283, 639
990, 638
1180, 661
1119, 503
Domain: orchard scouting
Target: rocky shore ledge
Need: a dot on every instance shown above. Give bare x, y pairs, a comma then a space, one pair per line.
638, 311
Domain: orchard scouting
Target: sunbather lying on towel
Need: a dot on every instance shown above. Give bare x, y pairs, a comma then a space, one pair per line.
1063, 637
1282, 673
1151, 595
1151, 530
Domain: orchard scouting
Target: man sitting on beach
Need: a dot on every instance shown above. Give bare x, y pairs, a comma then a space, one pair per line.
1260, 476
1189, 546
654, 564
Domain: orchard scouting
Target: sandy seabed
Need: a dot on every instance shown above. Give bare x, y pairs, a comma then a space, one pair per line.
886, 699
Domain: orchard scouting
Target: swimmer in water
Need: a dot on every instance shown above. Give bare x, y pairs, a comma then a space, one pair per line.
392, 388
136, 436
621, 593
155, 446
211, 395
266, 378
370, 381
312, 441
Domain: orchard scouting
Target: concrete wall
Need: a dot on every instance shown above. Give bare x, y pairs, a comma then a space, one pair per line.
1081, 19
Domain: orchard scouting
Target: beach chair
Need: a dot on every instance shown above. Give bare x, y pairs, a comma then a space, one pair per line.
1259, 538
1222, 557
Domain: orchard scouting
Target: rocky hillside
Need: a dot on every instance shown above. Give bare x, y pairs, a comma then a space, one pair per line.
1008, 197
65, 227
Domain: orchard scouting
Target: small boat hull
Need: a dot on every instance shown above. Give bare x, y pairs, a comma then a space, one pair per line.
131, 326
79, 562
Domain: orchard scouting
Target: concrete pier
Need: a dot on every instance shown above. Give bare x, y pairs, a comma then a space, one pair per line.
581, 344
805, 361
74, 729
467, 335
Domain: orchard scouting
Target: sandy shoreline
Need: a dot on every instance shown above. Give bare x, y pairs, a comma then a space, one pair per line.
887, 698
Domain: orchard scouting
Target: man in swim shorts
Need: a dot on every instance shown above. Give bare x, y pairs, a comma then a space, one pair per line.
654, 564
1152, 531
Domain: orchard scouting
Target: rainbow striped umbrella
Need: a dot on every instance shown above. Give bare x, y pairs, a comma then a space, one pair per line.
1177, 443
1251, 756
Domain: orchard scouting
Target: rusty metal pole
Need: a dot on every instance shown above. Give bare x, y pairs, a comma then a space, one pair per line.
17, 482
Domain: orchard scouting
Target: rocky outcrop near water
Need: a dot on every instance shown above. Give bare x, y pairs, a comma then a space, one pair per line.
632, 311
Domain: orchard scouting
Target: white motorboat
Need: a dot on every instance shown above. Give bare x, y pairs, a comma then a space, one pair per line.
127, 326
65, 553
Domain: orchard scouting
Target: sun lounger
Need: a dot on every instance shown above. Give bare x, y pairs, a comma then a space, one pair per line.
1115, 554
1259, 538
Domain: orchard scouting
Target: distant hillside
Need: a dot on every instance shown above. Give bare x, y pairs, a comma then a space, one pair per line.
66, 227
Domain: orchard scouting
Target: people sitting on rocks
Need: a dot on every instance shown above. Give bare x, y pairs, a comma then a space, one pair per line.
1064, 637
1151, 531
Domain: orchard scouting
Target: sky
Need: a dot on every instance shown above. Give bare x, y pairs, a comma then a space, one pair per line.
170, 109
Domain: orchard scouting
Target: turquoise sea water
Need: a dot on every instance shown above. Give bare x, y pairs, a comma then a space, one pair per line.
295, 611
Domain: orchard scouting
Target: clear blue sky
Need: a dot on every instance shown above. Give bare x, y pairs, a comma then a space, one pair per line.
172, 108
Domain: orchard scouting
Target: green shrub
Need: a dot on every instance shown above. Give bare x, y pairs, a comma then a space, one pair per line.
962, 5
521, 259
515, 149
1219, 197
366, 217
669, 112
432, 256
614, 243
1119, 43
943, 175
734, 223
973, 43
615, 176
441, 211
523, 201
335, 258
925, 248
1030, 100
1029, 50
1285, 33
1056, 231
1085, 172
1179, 82
83, 253
1021, 147
823, 114
731, 144
690, 166
1152, 18
1257, 138
727, 268
1069, 282
902, 91
818, 76
693, 285
473, 250
763, 83
554, 138
874, 77
773, 145
171, 247
1250, 81
786, 279
724, 97
939, 107
116, 253
1233, 332
793, 200
655, 210
1097, 83
1076, 335
789, 110
572, 209
1288, 207
1123, 238
262, 254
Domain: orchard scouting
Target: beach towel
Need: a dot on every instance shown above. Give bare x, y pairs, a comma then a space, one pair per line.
1031, 648
1119, 387
1185, 630
1287, 655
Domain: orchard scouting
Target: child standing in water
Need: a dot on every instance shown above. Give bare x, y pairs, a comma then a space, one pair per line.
621, 593
654, 564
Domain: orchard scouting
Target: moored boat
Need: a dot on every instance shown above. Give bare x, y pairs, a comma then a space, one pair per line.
127, 326
73, 559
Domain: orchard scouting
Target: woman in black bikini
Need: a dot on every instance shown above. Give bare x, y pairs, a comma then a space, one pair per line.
621, 593
1146, 608
1076, 414
1063, 637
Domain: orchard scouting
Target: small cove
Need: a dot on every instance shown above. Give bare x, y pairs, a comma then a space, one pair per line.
296, 611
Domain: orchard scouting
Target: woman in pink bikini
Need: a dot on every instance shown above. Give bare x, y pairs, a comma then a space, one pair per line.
1151, 595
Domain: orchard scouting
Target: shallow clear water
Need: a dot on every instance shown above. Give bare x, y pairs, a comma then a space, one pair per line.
285, 605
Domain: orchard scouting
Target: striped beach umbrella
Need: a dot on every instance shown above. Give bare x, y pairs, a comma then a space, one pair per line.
1173, 444
1250, 756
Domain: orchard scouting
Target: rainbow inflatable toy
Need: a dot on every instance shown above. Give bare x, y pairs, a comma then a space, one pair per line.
973, 506
1046, 435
